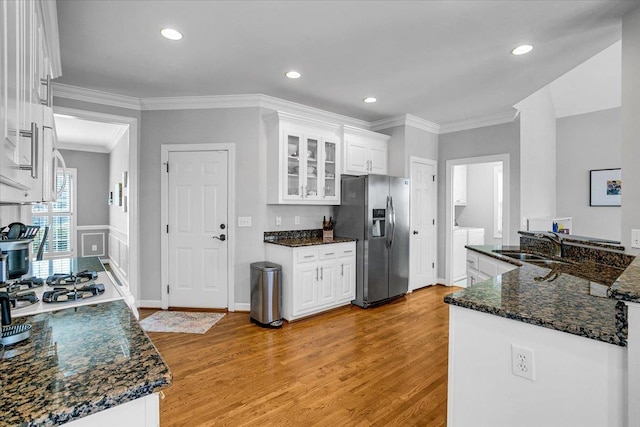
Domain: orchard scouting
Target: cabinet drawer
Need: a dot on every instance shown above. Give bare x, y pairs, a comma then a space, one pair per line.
347, 251
307, 256
472, 260
328, 253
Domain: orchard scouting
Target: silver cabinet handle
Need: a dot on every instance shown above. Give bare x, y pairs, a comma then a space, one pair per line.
33, 135
308, 256
330, 253
470, 261
302, 191
49, 99
321, 273
316, 274
342, 269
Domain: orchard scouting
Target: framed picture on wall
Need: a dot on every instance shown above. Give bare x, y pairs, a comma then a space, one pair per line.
605, 187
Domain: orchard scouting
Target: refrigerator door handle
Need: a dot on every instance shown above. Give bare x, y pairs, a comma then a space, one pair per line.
387, 239
393, 221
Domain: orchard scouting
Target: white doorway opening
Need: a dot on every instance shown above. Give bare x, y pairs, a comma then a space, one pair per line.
497, 166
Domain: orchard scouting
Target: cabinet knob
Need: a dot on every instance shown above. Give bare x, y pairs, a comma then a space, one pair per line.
415, 231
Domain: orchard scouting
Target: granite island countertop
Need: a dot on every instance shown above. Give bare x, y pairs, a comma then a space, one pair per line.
78, 361
574, 298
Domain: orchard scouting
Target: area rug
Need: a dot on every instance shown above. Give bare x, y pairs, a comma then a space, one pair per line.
180, 321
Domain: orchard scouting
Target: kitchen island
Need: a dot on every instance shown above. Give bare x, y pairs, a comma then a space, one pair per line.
86, 365
567, 324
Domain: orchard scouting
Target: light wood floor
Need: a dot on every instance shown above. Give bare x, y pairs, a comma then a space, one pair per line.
349, 367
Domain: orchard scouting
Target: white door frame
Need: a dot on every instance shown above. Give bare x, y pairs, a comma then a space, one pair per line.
421, 160
506, 196
164, 215
133, 235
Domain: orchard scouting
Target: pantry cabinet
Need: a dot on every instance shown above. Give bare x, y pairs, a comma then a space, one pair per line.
365, 152
315, 278
304, 161
29, 59
460, 185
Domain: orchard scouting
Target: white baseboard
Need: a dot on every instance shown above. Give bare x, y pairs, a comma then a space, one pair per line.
242, 306
149, 303
442, 281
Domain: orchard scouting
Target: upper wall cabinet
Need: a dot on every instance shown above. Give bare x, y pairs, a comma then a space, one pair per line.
460, 185
30, 57
365, 152
303, 161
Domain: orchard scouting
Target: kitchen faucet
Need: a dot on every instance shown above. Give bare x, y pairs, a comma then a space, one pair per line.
556, 242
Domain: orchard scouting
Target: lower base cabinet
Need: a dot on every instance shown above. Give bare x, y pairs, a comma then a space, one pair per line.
315, 278
482, 267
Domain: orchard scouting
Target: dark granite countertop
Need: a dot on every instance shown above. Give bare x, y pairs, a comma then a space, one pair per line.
308, 241
78, 361
572, 298
298, 238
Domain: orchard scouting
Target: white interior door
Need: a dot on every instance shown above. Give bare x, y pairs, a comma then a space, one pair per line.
423, 219
197, 192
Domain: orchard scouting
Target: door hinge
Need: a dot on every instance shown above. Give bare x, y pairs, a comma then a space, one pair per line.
433, 176
167, 167
167, 288
433, 221
167, 228
433, 265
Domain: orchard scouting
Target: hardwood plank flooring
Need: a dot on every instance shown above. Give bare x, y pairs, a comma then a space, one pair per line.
381, 366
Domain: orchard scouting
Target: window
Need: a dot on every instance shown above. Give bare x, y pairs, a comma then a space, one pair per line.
497, 202
59, 216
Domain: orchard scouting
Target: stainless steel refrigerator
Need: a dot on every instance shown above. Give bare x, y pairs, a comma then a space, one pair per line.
375, 210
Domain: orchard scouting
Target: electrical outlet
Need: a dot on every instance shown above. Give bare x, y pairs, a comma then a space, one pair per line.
296, 220
522, 362
94, 248
635, 239
244, 221
278, 220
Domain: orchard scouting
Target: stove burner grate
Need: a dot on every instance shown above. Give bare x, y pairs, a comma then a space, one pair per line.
23, 284
63, 279
64, 294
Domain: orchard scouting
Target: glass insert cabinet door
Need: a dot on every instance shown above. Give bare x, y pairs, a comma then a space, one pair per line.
311, 184
293, 180
329, 169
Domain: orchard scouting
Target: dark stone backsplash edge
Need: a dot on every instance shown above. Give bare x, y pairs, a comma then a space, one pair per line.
270, 236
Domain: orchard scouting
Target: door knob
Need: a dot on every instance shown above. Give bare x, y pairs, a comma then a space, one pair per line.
222, 237
415, 231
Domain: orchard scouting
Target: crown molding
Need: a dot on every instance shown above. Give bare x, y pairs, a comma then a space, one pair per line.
406, 120
95, 96
353, 130
82, 147
478, 122
199, 102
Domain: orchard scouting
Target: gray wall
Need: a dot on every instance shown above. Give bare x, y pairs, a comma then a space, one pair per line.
118, 163
92, 185
485, 141
585, 142
630, 126
407, 141
479, 209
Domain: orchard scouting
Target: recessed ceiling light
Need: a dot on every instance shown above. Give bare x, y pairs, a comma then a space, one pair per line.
521, 50
369, 100
171, 34
293, 74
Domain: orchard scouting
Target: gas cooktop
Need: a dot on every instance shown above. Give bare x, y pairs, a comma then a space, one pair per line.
71, 279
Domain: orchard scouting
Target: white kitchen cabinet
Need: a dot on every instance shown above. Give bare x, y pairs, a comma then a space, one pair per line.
29, 31
483, 267
365, 152
314, 278
459, 252
460, 185
303, 158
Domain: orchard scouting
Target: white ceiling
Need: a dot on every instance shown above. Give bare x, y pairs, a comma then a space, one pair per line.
442, 61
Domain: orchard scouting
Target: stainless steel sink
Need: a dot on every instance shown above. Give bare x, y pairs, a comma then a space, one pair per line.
522, 256
547, 262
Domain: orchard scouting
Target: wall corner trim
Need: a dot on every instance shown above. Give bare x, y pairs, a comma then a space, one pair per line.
478, 122
406, 120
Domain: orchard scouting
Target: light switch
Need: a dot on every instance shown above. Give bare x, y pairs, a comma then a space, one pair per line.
296, 220
635, 239
278, 220
94, 248
244, 221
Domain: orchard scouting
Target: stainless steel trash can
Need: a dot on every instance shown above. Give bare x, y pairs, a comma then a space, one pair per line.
266, 294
